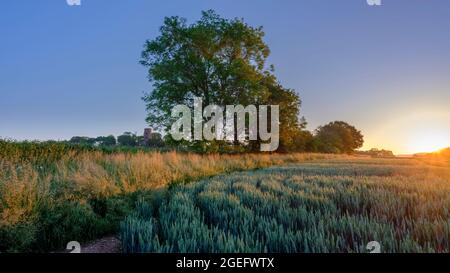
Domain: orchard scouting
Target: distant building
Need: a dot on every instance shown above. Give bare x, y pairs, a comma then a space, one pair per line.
376, 153
150, 137
147, 134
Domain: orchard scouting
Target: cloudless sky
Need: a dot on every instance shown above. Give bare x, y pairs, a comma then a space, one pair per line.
73, 70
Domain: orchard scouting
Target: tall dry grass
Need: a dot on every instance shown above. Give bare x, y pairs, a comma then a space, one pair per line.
38, 196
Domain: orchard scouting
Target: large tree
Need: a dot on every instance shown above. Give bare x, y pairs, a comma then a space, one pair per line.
222, 61
292, 135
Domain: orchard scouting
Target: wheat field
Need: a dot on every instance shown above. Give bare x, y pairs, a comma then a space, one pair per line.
335, 206
51, 194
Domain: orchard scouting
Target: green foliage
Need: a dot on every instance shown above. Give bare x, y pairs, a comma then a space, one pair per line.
48, 152
338, 137
82, 140
106, 140
18, 238
101, 140
62, 223
376, 153
53, 226
337, 207
128, 139
221, 61
156, 142
39, 152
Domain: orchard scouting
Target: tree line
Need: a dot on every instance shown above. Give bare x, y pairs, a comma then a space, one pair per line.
127, 139
335, 137
224, 62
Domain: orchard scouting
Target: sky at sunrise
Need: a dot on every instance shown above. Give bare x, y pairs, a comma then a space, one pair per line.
74, 70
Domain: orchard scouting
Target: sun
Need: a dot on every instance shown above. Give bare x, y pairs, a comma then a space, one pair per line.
429, 141
421, 131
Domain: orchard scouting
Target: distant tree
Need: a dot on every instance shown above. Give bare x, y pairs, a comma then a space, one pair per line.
82, 140
106, 140
128, 139
304, 142
338, 137
76, 140
155, 140
374, 152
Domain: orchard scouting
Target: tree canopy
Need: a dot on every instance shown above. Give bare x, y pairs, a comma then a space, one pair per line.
338, 137
219, 60
128, 139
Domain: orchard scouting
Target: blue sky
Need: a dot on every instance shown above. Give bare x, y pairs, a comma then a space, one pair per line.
68, 71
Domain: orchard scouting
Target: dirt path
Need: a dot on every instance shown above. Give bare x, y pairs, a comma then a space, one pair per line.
104, 245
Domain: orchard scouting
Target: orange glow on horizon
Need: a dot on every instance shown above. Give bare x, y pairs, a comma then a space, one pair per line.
429, 141
423, 131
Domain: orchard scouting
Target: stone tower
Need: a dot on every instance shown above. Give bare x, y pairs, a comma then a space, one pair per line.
147, 134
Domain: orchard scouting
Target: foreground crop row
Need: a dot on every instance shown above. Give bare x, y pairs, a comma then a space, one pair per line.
333, 207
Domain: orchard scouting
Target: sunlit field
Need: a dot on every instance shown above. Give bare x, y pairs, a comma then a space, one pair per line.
334, 206
51, 194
